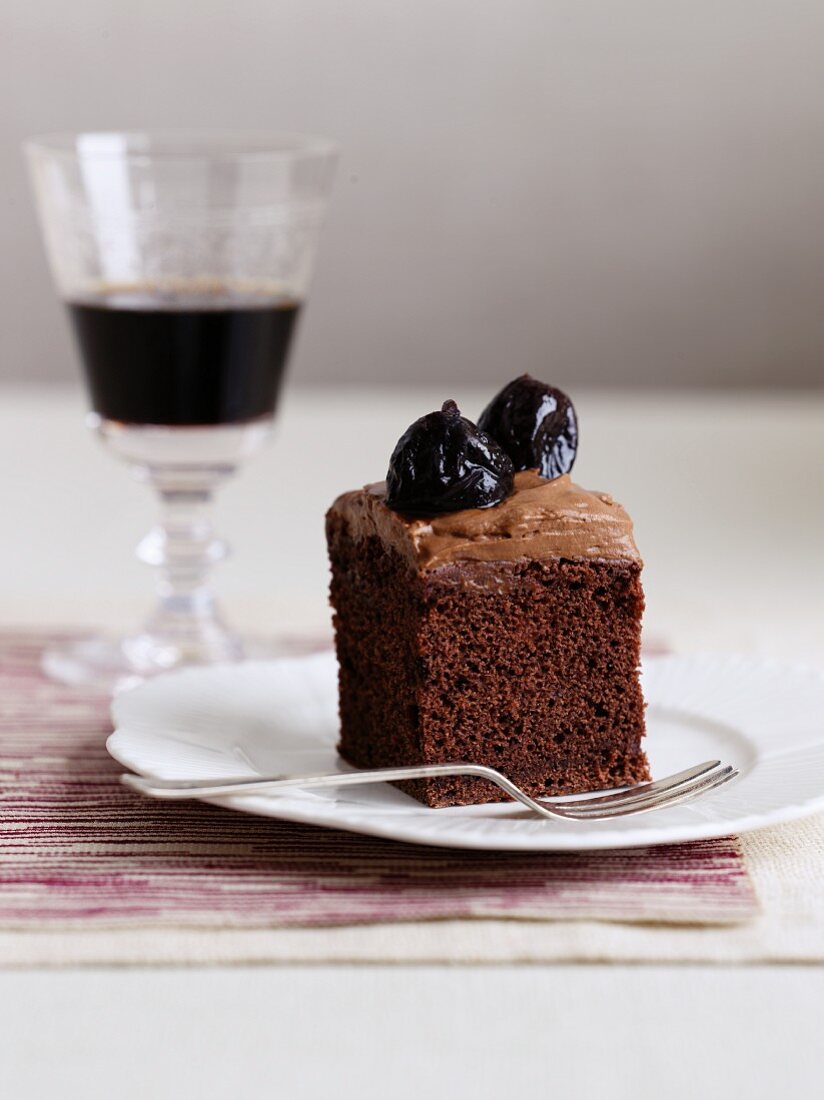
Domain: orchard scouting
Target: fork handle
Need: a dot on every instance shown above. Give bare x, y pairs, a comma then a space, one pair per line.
205, 788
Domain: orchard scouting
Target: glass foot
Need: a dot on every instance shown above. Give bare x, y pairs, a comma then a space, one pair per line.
100, 664
111, 665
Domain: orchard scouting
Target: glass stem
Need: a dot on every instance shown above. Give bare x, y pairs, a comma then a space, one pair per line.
186, 625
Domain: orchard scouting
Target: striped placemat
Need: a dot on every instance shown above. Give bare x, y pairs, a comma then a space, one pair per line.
77, 850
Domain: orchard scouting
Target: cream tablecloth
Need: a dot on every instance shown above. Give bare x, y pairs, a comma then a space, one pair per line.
731, 527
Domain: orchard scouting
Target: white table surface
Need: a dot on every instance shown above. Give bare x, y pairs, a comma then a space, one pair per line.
727, 495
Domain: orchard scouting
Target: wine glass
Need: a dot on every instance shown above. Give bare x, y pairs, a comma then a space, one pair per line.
184, 260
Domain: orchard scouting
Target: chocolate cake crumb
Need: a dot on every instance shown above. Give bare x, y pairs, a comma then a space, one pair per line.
529, 666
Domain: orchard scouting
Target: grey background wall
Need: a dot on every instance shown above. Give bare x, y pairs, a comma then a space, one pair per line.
626, 193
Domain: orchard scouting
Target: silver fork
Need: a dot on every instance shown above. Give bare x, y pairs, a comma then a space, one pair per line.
681, 787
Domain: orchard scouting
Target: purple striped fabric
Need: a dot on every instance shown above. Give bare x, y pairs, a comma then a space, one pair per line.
77, 849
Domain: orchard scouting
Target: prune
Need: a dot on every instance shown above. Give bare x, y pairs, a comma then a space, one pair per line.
443, 463
535, 424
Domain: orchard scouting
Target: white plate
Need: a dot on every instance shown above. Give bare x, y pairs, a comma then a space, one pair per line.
281, 717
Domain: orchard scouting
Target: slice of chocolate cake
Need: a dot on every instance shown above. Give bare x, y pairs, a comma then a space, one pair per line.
506, 634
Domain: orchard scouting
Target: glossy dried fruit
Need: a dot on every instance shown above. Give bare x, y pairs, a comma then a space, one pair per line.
443, 463
535, 424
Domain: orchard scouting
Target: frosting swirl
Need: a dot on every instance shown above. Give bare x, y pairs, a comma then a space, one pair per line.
541, 520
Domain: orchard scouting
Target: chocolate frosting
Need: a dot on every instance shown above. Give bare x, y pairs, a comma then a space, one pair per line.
541, 520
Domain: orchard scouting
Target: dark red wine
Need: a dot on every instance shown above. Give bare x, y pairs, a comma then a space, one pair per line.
184, 359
